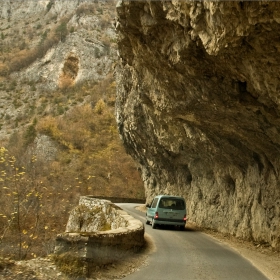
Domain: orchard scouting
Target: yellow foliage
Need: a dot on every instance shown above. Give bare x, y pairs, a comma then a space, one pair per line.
3, 69
65, 81
49, 126
100, 107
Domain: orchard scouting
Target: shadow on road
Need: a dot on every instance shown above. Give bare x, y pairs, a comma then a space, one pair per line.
166, 227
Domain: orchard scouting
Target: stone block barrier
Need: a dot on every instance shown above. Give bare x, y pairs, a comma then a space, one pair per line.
100, 232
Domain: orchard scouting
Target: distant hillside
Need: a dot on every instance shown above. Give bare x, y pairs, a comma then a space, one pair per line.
57, 119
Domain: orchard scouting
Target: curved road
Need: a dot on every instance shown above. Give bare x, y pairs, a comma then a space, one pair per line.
190, 255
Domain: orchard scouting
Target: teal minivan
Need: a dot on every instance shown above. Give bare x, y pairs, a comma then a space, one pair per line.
167, 210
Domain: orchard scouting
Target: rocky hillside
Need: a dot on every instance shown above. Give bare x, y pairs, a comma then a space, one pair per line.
57, 89
58, 132
46, 45
198, 108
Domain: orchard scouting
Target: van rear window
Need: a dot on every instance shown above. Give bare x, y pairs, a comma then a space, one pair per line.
172, 203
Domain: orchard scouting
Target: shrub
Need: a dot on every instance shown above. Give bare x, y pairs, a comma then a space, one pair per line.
99, 107
20, 201
25, 57
65, 82
17, 103
97, 52
90, 160
22, 45
49, 6
29, 135
62, 31
85, 9
70, 265
49, 126
4, 70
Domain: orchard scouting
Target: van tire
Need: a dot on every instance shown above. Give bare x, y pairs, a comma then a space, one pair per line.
147, 222
153, 224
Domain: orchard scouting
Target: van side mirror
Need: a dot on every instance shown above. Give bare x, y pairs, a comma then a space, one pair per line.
148, 205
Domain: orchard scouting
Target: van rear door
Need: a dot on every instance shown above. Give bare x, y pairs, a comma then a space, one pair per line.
172, 209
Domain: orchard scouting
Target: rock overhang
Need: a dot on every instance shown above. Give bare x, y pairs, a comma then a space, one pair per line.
198, 108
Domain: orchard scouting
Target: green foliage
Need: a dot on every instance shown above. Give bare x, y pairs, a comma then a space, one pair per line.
62, 31
33, 88
106, 48
70, 265
29, 135
17, 103
22, 45
49, 6
41, 108
60, 110
97, 52
44, 36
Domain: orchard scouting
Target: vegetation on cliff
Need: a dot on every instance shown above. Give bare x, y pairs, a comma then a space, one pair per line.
57, 142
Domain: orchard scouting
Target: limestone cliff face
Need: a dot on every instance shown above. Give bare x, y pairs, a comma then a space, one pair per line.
72, 42
198, 108
88, 56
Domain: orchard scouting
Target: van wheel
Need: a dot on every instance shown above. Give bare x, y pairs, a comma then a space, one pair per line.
147, 222
182, 228
153, 224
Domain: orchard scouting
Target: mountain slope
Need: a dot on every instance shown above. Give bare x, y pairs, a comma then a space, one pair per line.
57, 128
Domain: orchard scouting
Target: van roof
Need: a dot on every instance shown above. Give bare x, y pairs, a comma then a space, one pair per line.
169, 196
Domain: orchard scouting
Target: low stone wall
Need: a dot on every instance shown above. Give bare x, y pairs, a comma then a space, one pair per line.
100, 246
115, 199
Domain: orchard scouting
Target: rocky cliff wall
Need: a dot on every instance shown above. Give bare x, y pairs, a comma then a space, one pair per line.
198, 108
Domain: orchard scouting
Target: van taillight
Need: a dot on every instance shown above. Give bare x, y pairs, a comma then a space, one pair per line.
185, 218
156, 215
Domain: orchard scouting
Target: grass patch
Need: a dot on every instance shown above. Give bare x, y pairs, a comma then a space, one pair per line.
70, 264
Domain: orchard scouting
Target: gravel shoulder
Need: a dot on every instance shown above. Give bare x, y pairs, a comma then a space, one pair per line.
262, 257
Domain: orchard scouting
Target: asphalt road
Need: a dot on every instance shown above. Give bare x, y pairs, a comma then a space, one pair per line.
190, 255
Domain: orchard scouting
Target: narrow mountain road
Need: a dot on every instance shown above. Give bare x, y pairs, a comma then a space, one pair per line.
190, 255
